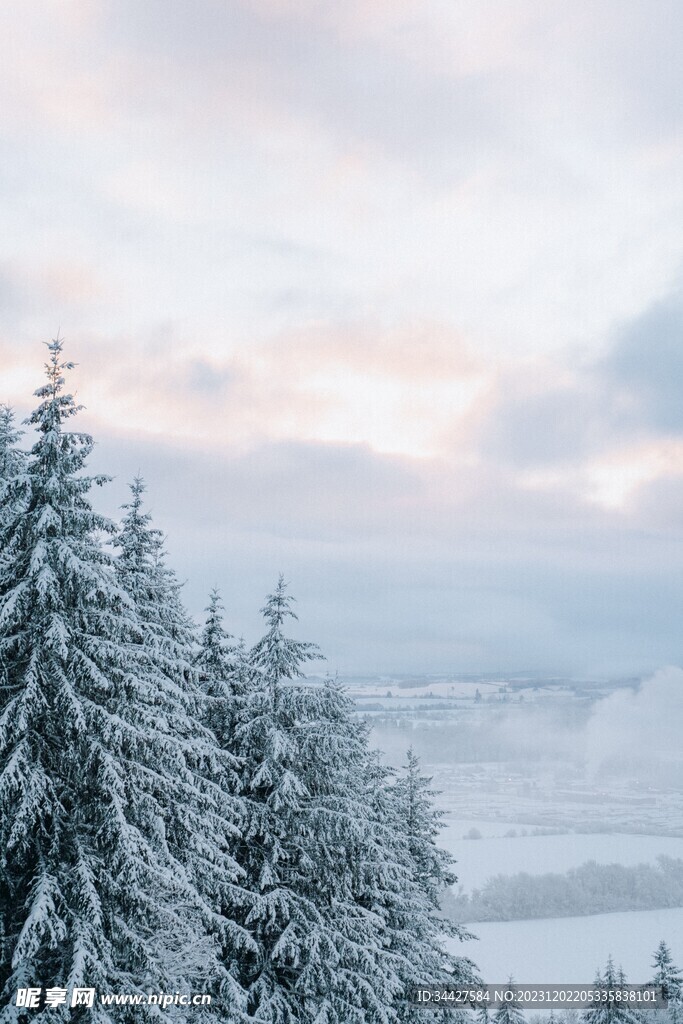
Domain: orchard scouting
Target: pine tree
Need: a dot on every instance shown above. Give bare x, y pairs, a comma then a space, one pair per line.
403, 895
669, 978
343, 927
167, 635
217, 657
611, 1011
276, 657
165, 626
510, 1011
12, 461
104, 772
12, 464
667, 975
355, 976
224, 673
421, 823
280, 919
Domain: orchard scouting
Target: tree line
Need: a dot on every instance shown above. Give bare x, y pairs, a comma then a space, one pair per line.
666, 978
590, 888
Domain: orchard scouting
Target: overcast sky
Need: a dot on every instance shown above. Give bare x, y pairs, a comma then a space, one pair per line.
382, 295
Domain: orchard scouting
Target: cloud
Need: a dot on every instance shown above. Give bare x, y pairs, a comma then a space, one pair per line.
640, 729
307, 71
354, 273
251, 166
547, 416
408, 390
438, 563
404, 564
659, 504
646, 362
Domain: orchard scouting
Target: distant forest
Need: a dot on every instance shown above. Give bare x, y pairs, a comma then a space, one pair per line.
589, 889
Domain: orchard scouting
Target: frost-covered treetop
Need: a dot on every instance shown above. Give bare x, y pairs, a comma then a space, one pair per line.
143, 573
59, 453
276, 656
10, 458
138, 539
220, 656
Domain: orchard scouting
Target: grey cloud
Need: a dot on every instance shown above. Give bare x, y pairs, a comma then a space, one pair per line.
388, 583
212, 381
647, 363
605, 72
634, 390
357, 89
397, 564
559, 426
297, 490
659, 505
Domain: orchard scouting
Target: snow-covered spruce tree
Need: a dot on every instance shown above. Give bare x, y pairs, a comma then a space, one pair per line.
319, 955
12, 463
224, 673
166, 629
510, 1011
281, 920
343, 927
611, 1011
353, 973
218, 656
420, 821
669, 977
666, 973
12, 460
275, 657
102, 764
166, 633
398, 890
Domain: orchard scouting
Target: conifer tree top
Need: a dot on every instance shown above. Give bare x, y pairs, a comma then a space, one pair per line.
279, 605
216, 642
56, 407
11, 459
137, 538
9, 435
277, 656
58, 454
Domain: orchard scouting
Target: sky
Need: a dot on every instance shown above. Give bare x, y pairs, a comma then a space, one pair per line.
384, 296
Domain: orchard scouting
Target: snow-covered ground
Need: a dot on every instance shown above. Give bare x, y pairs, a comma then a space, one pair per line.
479, 859
502, 765
569, 950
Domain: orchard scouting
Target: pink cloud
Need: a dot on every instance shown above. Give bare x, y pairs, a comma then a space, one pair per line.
402, 390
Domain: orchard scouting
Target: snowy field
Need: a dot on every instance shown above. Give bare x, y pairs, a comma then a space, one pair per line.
479, 859
551, 765
569, 950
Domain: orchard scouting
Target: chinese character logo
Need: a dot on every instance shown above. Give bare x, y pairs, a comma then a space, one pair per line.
55, 996
83, 997
28, 998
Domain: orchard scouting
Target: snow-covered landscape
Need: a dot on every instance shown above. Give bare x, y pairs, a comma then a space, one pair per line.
551, 804
571, 950
297, 837
341, 510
